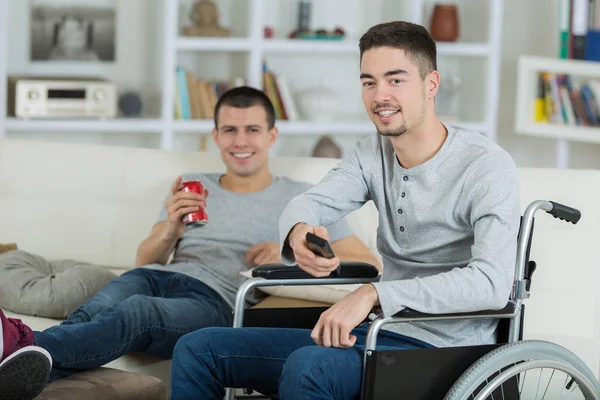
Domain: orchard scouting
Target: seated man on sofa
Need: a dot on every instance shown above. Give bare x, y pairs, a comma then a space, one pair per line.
148, 309
449, 211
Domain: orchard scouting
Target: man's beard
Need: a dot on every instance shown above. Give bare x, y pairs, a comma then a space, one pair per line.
393, 132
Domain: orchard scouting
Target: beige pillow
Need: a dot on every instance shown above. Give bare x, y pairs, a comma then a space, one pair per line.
32, 285
323, 293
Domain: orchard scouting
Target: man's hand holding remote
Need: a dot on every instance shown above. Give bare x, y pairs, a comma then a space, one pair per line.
307, 260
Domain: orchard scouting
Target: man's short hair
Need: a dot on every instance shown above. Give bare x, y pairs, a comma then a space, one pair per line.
245, 97
414, 39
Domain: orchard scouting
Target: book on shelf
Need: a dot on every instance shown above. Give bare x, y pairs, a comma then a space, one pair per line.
278, 90
579, 26
568, 100
196, 98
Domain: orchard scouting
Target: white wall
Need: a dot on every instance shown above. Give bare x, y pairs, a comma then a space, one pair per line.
530, 27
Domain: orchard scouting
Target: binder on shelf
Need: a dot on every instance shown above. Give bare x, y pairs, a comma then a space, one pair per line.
592, 45
564, 26
592, 39
579, 29
579, 26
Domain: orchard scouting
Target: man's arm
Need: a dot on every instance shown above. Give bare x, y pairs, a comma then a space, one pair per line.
157, 247
351, 248
490, 202
343, 190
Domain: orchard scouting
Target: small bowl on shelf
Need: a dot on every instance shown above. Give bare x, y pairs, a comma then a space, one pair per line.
319, 34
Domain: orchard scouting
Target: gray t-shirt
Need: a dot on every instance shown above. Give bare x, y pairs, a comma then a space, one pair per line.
447, 229
216, 253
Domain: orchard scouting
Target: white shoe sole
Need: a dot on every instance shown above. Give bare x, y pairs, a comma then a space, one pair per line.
25, 373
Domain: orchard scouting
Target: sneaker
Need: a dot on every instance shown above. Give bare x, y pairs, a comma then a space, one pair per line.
25, 373
14, 335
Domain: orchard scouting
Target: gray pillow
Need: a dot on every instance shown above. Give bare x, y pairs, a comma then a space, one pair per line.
32, 285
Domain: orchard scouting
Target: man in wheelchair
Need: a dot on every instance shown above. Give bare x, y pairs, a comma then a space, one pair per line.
448, 202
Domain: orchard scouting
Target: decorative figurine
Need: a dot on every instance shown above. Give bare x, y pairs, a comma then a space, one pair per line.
205, 19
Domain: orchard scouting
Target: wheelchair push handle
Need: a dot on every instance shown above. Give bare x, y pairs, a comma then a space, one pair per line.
564, 213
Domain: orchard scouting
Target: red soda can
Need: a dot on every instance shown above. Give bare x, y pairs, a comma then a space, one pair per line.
200, 217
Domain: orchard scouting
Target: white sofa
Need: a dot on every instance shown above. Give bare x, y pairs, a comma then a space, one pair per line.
97, 203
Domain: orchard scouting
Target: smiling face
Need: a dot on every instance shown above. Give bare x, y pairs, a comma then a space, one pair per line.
394, 95
244, 138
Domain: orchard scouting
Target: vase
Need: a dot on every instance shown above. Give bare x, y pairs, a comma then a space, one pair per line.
320, 104
444, 23
326, 147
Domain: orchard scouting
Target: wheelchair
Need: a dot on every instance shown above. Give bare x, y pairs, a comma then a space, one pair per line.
496, 371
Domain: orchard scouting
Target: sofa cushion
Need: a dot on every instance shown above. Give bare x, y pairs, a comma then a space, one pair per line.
105, 384
32, 285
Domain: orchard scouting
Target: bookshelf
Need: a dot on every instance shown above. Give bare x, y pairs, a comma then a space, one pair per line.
256, 49
243, 54
527, 88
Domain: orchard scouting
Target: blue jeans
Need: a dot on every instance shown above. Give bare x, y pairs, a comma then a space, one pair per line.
142, 310
271, 360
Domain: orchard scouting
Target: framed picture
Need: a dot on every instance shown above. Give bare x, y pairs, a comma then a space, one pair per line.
72, 30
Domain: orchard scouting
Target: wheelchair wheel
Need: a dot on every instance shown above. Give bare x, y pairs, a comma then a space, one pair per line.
507, 372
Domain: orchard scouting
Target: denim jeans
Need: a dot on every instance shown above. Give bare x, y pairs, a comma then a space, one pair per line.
142, 310
271, 360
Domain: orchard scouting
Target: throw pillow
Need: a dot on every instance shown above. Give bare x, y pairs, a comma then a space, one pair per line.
322, 293
32, 285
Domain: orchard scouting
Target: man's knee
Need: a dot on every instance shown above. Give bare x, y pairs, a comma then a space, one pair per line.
195, 348
136, 304
197, 341
314, 369
305, 364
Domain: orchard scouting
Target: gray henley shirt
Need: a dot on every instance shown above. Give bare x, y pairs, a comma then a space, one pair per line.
447, 229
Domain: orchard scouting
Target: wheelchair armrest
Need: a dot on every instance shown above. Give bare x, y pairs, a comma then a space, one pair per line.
408, 313
349, 269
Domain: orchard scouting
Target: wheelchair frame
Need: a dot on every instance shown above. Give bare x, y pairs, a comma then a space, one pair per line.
353, 273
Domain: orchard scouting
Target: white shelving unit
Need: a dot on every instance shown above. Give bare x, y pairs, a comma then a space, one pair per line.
527, 83
136, 125
257, 47
254, 48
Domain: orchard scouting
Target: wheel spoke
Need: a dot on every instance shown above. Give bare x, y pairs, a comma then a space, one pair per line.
548, 385
522, 383
538, 385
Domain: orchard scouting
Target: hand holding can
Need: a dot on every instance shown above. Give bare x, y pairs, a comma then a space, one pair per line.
179, 205
200, 216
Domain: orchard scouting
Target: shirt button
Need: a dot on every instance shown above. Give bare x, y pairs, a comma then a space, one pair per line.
401, 229
403, 194
405, 178
399, 211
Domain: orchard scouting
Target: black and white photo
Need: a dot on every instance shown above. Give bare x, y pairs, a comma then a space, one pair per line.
72, 30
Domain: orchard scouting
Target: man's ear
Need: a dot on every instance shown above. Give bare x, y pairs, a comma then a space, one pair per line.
433, 83
273, 134
215, 136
